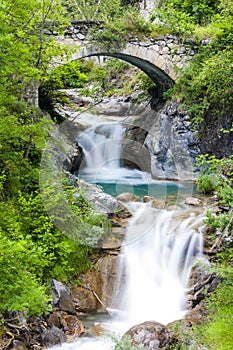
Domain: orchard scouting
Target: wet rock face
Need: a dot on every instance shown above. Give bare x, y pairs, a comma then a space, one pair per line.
152, 335
202, 281
85, 296
108, 269
212, 140
97, 289
173, 145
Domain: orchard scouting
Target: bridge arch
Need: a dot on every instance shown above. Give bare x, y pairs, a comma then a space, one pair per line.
162, 80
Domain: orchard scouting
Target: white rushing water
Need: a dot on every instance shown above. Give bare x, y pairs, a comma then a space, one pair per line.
102, 146
157, 255
159, 252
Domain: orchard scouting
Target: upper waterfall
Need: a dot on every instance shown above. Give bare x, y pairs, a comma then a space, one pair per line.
102, 148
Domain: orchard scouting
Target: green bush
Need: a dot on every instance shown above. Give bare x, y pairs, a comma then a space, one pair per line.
69, 75
20, 288
205, 86
33, 251
218, 176
217, 333
193, 12
205, 184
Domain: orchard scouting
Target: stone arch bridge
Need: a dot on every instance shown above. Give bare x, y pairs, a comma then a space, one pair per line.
161, 59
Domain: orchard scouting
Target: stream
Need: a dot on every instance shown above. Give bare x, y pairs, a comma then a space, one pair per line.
160, 247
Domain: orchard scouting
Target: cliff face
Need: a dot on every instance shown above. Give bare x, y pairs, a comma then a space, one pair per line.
169, 143
212, 138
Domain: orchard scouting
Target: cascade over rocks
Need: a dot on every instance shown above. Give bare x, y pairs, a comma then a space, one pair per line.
162, 141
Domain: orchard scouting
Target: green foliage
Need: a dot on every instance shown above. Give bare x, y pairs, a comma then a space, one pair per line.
217, 333
69, 75
114, 35
96, 10
205, 184
222, 221
218, 176
211, 164
182, 16
33, 250
19, 287
206, 85
55, 256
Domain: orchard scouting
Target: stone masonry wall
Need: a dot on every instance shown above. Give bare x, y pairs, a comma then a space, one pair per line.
165, 52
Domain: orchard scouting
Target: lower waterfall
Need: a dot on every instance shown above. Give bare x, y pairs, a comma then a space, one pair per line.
158, 252
156, 260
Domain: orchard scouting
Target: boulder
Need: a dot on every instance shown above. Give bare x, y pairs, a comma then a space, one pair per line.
85, 300
62, 297
193, 201
72, 326
197, 315
158, 204
52, 337
127, 197
147, 199
84, 294
108, 268
152, 335
155, 203
54, 319
97, 287
201, 282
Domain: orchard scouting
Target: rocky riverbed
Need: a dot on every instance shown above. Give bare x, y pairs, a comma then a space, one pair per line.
94, 293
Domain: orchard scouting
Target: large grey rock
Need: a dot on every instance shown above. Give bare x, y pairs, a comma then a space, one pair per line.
152, 335
101, 201
202, 281
162, 142
62, 297
52, 337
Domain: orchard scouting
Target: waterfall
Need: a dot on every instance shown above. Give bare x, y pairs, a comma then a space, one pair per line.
102, 146
157, 255
159, 251
102, 149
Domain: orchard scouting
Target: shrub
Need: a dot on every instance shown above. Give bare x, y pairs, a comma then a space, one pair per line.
217, 333
205, 184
